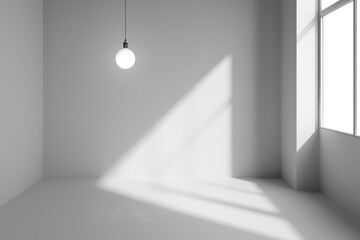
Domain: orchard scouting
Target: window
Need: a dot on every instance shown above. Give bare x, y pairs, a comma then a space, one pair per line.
339, 66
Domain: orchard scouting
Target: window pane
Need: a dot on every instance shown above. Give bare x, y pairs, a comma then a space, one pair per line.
326, 3
337, 82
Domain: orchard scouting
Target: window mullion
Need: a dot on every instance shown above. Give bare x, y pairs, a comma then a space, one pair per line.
355, 68
320, 65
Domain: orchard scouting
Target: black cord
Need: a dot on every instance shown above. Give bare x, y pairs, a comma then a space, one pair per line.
125, 19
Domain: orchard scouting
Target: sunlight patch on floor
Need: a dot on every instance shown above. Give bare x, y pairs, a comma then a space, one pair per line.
243, 210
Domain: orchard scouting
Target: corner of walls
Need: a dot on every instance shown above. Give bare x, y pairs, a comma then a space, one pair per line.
288, 88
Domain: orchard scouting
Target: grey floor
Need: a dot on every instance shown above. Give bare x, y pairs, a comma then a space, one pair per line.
173, 209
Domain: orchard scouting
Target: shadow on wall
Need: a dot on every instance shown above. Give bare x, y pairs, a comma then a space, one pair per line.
201, 100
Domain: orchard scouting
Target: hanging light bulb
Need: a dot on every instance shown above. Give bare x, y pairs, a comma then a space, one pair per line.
125, 58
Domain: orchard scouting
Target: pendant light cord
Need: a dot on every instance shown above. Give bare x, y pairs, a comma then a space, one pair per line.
125, 20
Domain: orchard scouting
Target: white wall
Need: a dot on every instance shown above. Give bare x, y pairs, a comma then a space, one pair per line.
202, 99
300, 164
339, 164
21, 96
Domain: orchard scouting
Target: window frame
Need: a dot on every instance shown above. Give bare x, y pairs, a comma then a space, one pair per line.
322, 13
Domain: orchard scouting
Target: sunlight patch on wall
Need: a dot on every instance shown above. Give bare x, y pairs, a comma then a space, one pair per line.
306, 89
306, 72
194, 139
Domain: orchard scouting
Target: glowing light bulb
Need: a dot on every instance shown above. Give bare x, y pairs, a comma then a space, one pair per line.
125, 58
